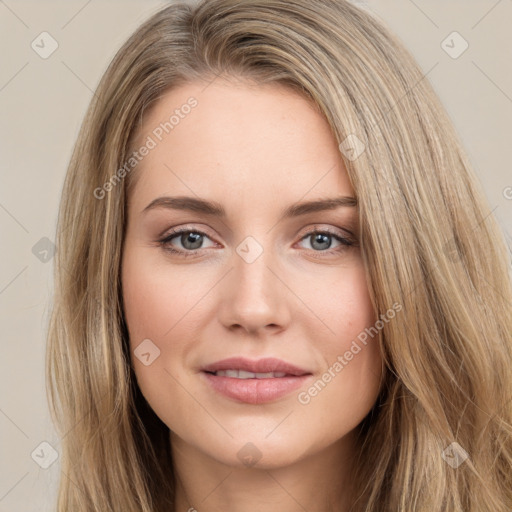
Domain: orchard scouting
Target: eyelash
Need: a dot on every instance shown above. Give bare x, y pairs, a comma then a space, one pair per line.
346, 243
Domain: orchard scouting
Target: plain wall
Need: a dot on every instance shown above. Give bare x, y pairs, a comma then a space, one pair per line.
42, 104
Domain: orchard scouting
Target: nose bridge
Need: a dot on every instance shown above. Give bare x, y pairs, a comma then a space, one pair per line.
255, 296
252, 276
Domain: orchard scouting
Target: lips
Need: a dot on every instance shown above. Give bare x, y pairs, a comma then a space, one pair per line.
243, 374
261, 366
254, 382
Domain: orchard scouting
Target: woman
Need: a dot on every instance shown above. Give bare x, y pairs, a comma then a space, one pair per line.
206, 350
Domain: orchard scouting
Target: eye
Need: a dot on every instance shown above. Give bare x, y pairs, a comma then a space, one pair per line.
321, 242
190, 240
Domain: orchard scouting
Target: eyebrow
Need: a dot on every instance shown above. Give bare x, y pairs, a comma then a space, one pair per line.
214, 209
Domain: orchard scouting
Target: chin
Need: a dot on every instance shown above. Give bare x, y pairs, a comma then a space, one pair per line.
256, 453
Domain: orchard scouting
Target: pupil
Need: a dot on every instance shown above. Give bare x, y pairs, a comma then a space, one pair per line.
321, 238
194, 238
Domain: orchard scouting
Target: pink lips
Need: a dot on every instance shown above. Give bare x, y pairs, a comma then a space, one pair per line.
255, 390
266, 365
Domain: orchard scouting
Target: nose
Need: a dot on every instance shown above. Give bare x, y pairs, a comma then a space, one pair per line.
254, 296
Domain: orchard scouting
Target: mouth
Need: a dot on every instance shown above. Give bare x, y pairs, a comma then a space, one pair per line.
242, 374
254, 382
240, 367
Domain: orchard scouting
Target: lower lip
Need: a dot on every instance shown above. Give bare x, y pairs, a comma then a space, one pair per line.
255, 391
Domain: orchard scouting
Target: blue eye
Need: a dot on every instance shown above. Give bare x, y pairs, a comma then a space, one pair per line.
192, 242
323, 241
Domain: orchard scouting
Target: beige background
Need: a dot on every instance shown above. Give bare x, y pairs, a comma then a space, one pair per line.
42, 102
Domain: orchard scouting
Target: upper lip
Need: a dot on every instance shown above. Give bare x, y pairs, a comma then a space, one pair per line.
265, 365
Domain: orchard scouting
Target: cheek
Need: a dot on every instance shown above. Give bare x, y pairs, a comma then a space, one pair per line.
353, 321
349, 381
155, 304
158, 307
343, 304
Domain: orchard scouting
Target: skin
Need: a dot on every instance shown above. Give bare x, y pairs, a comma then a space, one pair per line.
255, 149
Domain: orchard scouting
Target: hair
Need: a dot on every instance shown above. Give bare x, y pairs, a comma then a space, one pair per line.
428, 241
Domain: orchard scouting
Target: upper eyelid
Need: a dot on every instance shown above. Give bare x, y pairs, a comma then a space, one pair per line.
180, 230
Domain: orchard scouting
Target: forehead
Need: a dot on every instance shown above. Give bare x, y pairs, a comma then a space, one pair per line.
235, 141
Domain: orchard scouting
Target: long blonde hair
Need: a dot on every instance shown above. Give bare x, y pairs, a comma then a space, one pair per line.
428, 240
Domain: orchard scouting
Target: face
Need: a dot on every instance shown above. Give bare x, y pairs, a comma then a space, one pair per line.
275, 288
